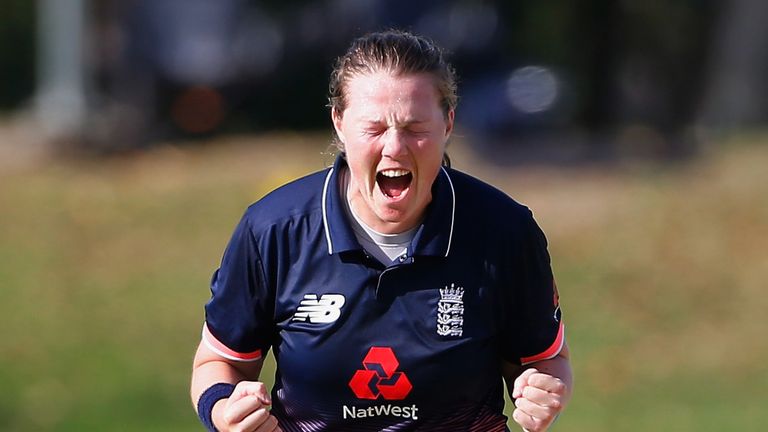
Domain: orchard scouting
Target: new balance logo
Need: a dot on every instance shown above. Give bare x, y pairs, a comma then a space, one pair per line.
326, 309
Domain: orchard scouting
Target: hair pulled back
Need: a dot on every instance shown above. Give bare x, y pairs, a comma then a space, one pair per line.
398, 52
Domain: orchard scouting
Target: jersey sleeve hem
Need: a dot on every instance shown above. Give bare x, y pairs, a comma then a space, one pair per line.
219, 348
550, 352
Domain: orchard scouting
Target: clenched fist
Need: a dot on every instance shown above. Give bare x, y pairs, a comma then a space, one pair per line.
246, 410
539, 398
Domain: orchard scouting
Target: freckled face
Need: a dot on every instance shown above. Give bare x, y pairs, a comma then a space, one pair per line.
394, 134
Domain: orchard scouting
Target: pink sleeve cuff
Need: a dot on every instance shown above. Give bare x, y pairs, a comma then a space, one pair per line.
550, 352
219, 348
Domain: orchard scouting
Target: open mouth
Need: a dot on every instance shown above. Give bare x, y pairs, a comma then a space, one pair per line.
394, 182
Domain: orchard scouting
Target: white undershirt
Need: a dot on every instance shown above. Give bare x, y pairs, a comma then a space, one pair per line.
384, 247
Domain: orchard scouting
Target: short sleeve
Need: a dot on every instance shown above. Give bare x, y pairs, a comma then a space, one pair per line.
239, 316
534, 329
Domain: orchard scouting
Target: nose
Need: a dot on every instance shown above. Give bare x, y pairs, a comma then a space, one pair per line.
394, 143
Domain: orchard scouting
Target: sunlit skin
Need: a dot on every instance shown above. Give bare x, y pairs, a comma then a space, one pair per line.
393, 126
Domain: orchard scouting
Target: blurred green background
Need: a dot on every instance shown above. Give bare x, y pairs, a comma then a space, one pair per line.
105, 264
121, 180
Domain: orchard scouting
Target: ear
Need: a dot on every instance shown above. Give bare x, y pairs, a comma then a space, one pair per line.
337, 119
449, 123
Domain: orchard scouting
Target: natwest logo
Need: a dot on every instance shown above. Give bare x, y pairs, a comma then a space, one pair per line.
380, 377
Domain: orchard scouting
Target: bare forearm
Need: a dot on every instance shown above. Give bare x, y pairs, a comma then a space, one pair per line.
210, 373
209, 369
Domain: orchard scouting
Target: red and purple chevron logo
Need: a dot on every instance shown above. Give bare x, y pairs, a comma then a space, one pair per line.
380, 377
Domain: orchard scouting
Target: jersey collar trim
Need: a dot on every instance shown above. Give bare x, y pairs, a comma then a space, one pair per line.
433, 238
338, 232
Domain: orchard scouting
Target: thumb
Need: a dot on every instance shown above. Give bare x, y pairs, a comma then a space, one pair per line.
521, 382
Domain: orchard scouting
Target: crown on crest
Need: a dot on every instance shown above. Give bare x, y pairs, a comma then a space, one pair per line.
454, 293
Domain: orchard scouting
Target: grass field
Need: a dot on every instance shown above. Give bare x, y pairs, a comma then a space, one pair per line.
104, 268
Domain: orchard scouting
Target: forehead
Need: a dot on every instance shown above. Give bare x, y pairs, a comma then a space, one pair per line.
376, 90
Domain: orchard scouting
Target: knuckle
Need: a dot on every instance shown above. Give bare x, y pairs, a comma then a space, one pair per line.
228, 417
517, 415
550, 415
519, 381
559, 386
521, 417
556, 404
537, 424
528, 392
520, 402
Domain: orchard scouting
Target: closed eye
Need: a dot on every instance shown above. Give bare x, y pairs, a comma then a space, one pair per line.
374, 129
373, 132
418, 131
417, 127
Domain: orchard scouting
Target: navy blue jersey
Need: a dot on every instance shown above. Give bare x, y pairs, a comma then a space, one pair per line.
415, 345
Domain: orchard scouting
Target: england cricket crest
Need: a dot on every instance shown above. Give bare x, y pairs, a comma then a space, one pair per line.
450, 311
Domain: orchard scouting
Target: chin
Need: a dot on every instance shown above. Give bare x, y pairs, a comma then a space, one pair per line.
392, 217
402, 223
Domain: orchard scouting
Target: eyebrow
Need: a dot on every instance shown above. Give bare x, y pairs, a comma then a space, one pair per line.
408, 122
